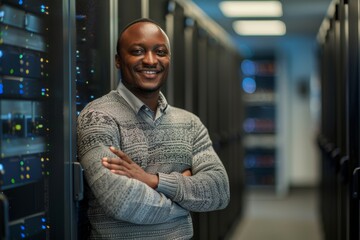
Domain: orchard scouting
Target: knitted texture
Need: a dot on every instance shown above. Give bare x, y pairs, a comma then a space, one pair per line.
124, 208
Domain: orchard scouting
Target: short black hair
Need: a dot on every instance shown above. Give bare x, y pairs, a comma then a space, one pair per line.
129, 25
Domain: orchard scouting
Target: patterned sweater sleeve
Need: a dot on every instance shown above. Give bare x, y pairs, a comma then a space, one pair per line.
208, 188
121, 198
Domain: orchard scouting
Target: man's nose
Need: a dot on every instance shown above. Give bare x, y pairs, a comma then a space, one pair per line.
150, 58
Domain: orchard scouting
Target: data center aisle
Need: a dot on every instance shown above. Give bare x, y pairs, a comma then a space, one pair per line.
268, 217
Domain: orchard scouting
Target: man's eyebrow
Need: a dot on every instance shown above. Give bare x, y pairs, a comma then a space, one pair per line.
153, 47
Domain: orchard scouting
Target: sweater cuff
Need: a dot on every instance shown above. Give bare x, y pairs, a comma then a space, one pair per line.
168, 184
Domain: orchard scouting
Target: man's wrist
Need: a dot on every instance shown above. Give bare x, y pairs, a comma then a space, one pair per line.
154, 181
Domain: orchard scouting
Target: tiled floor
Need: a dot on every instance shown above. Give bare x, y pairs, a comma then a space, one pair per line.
268, 217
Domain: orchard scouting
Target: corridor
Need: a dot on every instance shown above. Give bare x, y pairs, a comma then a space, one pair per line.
269, 217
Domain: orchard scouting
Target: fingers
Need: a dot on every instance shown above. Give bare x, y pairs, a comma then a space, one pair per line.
120, 172
187, 173
120, 154
115, 163
117, 152
106, 162
111, 160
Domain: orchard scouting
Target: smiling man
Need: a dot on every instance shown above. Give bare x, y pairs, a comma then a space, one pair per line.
143, 55
147, 164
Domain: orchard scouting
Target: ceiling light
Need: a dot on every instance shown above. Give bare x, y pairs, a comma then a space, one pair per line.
251, 8
260, 27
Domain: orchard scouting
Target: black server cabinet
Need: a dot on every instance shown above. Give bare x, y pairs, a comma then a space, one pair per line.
339, 139
343, 122
329, 164
259, 125
175, 25
55, 57
24, 131
35, 137
97, 26
129, 11
354, 117
95, 50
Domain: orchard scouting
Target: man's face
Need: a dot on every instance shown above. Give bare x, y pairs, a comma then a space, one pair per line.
144, 58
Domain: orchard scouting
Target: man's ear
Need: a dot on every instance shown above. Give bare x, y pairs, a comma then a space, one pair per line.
117, 61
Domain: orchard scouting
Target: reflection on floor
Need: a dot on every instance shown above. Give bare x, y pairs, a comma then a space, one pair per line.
268, 217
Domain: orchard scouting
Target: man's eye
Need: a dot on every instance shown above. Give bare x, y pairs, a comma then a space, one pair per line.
137, 52
161, 52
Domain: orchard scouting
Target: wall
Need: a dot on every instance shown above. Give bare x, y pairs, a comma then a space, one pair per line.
298, 113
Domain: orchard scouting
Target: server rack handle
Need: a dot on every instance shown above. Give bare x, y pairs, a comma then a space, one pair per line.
4, 223
78, 184
344, 169
355, 191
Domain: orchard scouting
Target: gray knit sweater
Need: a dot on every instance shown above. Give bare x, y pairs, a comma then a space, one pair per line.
123, 208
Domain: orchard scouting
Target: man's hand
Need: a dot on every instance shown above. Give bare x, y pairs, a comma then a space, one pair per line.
187, 173
123, 165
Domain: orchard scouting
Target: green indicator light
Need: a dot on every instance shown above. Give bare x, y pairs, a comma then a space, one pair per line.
17, 127
22, 163
12, 71
21, 56
12, 181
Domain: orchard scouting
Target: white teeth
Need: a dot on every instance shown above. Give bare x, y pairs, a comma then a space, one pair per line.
149, 72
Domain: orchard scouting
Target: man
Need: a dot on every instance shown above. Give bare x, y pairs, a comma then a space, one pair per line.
148, 164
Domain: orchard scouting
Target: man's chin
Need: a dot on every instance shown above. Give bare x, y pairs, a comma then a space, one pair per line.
150, 89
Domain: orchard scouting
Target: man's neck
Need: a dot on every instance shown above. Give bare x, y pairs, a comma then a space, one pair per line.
150, 98
150, 101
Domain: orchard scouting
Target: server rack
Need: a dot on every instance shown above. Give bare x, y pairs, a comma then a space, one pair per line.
339, 136
354, 117
205, 80
46, 77
30, 86
201, 220
259, 86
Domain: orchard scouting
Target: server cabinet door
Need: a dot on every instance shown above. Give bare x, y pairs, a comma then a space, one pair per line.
354, 118
37, 109
96, 37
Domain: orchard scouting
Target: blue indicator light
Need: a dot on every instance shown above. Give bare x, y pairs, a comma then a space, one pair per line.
248, 67
21, 2
43, 8
21, 85
22, 227
22, 235
21, 91
249, 125
1, 88
43, 220
1, 167
250, 161
249, 85
43, 227
1, 52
